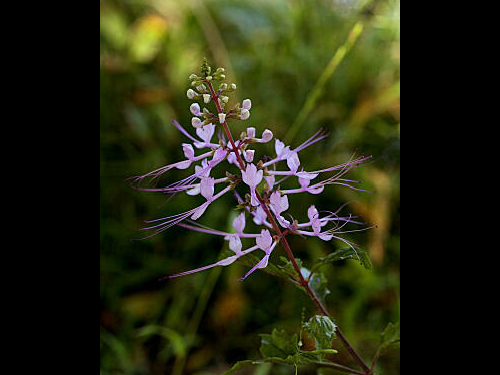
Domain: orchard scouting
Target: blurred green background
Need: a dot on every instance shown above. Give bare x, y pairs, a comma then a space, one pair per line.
305, 64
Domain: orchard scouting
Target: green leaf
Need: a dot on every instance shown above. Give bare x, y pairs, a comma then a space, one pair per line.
360, 255
278, 344
288, 268
319, 284
390, 337
238, 365
322, 329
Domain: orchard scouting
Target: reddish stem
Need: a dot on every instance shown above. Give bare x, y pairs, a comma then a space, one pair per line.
284, 241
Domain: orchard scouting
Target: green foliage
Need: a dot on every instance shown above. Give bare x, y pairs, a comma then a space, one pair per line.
390, 338
280, 347
279, 344
342, 254
238, 365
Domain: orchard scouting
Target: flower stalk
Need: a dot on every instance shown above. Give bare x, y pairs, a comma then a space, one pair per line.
268, 207
285, 244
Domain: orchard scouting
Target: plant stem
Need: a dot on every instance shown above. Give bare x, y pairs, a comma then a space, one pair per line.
285, 244
339, 367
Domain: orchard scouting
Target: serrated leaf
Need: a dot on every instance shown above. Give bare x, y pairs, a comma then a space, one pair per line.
317, 282
360, 255
322, 329
278, 344
288, 268
390, 337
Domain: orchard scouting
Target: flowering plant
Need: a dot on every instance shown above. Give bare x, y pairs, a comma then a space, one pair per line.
266, 203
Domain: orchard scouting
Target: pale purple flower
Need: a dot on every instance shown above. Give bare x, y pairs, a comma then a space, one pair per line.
239, 223
279, 204
293, 161
265, 243
252, 178
282, 152
207, 187
205, 133
325, 225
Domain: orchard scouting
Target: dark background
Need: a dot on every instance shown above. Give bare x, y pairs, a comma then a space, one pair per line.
277, 52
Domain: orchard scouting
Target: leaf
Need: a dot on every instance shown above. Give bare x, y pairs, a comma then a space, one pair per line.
278, 344
360, 255
322, 329
288, 268
390, 337
319, 284
238, 365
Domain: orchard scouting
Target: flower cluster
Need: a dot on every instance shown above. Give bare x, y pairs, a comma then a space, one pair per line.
265, 202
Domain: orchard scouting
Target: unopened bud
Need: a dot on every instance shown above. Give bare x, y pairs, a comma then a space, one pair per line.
206, 98
196, 122
245, 114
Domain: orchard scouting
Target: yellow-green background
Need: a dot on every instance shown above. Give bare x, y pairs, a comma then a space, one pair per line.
330, 60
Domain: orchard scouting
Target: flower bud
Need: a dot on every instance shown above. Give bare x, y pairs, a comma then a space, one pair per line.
225, 99
206, 98
222, 117
223, 86
191, 94
251, 132
267, 135
195, 109
201, 88
247, 104
249, 154
245, 114
196, 122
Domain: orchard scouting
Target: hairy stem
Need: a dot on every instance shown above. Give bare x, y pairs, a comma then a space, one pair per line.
284, 241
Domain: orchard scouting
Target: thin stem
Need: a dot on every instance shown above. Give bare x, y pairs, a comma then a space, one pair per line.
285, 244
339, 367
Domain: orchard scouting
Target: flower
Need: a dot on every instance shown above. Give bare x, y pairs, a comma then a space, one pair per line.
252, 178
204, 182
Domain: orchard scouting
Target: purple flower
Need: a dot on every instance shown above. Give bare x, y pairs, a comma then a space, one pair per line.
324, 225
252, 178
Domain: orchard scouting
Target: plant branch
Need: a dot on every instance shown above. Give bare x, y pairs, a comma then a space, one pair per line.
285, 244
